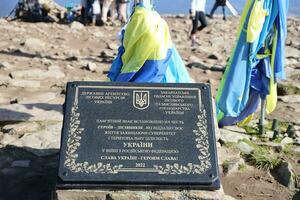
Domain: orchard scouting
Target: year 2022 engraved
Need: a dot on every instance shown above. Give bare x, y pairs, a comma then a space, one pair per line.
140, 165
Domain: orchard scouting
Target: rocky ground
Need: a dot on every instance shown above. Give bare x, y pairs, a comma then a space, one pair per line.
38, 59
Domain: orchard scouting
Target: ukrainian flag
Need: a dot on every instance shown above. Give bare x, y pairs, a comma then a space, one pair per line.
147, 53
257, 62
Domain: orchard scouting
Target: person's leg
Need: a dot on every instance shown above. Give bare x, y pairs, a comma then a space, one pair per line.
113, 9
83, 13
203, 21
211, 15
105, 8
122, 12
194, 29
224, 12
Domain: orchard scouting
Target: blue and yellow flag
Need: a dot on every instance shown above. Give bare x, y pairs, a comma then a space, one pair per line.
147, 53
257, 62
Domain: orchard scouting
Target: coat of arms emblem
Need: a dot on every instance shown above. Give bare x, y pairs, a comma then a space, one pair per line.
141, 99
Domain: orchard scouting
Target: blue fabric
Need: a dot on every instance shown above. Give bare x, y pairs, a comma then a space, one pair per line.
176, 71
282, 33
236, 89
249, 75
152, 71
250, 108
116, 65
260, 77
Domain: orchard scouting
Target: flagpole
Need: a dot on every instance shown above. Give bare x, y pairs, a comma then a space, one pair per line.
262, 117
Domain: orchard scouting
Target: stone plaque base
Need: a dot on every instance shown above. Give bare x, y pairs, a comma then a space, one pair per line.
139, 195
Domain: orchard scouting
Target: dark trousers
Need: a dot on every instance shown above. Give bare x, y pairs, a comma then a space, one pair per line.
200, 16
215, 8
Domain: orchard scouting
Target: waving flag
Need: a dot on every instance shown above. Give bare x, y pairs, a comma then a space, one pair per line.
257, 61
147, 53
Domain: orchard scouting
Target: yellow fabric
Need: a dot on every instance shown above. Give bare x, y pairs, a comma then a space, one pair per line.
256, 21
246, 121
146, 38
272, 97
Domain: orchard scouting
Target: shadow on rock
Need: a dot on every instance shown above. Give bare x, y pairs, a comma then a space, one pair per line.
46, 106
204, 67
20, 53
5, 114
26, 176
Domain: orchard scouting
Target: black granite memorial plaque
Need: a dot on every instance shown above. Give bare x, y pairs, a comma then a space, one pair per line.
126, 135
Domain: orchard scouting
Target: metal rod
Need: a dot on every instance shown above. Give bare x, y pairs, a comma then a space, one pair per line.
262, 117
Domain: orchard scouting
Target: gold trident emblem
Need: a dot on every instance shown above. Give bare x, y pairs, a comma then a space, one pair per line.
141, 99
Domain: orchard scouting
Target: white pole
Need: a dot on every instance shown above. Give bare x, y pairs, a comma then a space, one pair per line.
262, 117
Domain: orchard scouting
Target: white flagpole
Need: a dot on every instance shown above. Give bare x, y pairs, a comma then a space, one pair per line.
262, 117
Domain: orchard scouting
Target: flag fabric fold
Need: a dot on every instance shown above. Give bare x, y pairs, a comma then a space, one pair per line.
147, 53
257, 62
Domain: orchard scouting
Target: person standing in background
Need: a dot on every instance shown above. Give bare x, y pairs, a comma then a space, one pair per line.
122, 10
83, 10
96, 11
197, 13
216, 5
105, 8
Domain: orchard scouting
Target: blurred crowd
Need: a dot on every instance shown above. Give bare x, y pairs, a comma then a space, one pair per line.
103, 11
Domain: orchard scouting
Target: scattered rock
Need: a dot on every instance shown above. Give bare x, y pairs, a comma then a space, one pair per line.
287, 140
91, 67
25, 83
244, 147
165, 195
269, 134
99, 34
5, 65
232, 166
291, 52
41, 143
225, 154
55, 73
20, 128
80, 195
287, 89
284, 174
113, 46
229, 136
46, 62
4, 80
34, 44
106, 53
70, 53
297, 149
37, 74
7, 139
76, 26
208, 195
217, 41
44, 97
21, 163
297, 141
290, 98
